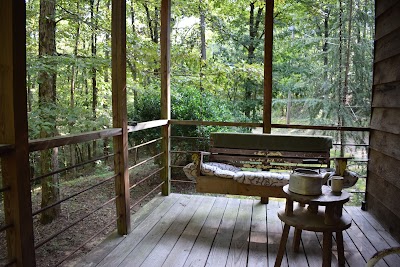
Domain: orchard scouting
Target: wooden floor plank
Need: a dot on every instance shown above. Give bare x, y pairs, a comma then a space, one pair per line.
294, 259
351, 253
182, 248
104, 248
375, 224
220, 248
201, 249
165, 232
169, 239
130, 242
312, 248
334, 261
274, 229
373, 236
238, 251
229, 232
258, 236
362, 243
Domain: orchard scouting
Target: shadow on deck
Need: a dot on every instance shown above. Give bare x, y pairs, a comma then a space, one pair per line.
195, 230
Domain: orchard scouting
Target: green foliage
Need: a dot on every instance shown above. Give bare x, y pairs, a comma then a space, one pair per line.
228, 85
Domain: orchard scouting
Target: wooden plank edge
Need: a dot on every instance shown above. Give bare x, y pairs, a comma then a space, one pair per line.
96, 255
47, 143
147, 125
5, 149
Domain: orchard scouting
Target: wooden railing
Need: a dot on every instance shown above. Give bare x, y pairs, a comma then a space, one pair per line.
61, 141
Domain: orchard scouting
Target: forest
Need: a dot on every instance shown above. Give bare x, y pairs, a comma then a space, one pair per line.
322, 62
322, 68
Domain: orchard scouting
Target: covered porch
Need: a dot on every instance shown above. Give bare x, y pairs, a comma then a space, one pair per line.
192, 230
198, 230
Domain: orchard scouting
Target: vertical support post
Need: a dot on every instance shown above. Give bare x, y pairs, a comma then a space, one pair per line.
118, 61
268, 47
166, 92
14, 130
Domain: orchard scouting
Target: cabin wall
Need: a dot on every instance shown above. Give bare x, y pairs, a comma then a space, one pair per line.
383, 184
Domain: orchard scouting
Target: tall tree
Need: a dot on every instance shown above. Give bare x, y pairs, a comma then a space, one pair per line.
47, 103
255, 19
74, 73
94, 7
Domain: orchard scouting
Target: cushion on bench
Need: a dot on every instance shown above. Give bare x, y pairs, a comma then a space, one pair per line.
227, 171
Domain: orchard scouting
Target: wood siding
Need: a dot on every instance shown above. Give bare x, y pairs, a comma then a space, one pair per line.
383, 186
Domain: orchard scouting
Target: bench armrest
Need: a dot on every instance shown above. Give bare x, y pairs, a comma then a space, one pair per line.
198, 160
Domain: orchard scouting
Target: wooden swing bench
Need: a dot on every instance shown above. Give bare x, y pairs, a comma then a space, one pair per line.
260, 153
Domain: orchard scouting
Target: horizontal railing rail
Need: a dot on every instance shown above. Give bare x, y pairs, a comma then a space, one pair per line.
146, 160
5, 227
254, 125
70, 139
146, 178
65, 140
34, 179
51, 237
73, 195
4, 189
4, 149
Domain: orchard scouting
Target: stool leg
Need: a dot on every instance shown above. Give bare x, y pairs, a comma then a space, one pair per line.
296, 240
282, 245
264, 200
340, 248
327, 249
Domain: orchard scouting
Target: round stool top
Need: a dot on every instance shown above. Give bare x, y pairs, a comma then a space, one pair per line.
326, 198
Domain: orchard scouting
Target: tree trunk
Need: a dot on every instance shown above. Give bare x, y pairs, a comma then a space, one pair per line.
106, 142
47, 101
348, 54
29, 88
346, 80
325, 45
74, 73
203, 33
132, 65
94, 69
203, 51
254, 25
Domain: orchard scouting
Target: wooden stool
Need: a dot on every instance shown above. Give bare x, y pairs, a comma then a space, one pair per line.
316, 219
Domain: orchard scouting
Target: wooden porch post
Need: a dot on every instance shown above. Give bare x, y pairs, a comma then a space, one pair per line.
268, 47
14, 130
118, 61
165, 92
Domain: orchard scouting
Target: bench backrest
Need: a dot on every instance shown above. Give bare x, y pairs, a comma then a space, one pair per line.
270, 151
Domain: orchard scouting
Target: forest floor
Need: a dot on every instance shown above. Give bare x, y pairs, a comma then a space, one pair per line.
84, 232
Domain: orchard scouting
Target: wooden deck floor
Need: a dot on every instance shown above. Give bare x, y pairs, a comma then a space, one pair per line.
194, 230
